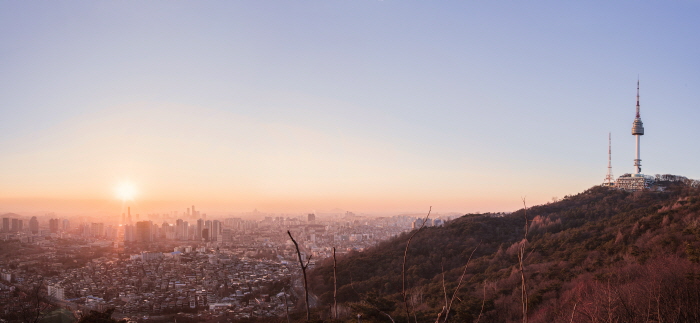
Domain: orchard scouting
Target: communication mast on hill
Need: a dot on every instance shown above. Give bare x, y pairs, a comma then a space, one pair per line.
609, 179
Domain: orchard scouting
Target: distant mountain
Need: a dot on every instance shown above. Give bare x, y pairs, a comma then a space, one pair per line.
10, 215
601, 255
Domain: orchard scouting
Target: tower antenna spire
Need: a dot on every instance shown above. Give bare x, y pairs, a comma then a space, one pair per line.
637, 116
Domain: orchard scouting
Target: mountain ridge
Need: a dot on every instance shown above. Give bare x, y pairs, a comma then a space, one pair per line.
595, 237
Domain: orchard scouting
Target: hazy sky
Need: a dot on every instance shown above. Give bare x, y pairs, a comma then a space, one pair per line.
365, 106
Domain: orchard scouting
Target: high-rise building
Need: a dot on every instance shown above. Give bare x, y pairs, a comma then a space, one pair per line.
54, 225
57, 292
129, 233
144, 231
6, 224
208, 227
311, 217
97, 229
205, 234
216, 230
34, 225
227, 235
85, 230
234, 223
185, 234
198, 231
110, 232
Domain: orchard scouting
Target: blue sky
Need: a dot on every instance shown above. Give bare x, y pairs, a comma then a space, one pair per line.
380, 106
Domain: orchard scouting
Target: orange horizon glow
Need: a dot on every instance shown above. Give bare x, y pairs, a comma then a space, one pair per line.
230, 163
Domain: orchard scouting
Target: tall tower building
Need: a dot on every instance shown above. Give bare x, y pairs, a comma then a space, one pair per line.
637, 130
216, 230
636, 181
34, 225
144, 231
198, 231
208, 228
53, 225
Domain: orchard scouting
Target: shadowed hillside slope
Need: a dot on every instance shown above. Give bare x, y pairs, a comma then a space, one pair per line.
599, 256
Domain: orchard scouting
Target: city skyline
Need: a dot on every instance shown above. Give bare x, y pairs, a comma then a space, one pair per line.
372, 107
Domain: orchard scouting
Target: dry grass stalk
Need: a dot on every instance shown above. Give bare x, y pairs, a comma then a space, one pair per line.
403, 269
303, 270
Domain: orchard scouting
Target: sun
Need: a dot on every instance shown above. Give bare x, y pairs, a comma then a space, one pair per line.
126, 191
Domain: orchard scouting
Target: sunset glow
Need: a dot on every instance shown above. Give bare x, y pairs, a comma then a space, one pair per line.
126, 191
374, 106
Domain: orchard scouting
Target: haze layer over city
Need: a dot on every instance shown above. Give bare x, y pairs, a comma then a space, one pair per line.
374, 107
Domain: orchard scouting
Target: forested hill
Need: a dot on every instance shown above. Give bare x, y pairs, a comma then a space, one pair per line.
602, 255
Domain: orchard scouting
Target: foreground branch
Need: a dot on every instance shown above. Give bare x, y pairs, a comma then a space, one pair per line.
335, 286
459, 283
521, 264
303, 270
403, 268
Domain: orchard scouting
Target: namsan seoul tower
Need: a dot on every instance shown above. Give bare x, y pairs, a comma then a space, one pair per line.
635, 181
637, 130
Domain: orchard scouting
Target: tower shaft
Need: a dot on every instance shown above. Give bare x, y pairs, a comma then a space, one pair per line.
637, 160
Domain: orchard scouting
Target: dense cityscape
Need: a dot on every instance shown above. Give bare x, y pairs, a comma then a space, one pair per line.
187, 267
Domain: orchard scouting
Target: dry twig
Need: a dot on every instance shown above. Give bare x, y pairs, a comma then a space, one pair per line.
335, 286
403, 269
521, 263
459, 283
483, 302
303, 270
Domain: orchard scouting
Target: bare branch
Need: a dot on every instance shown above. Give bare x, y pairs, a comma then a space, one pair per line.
483, 302
444, 289
286, 306
572, 313
403, 269
335, 286
308, 261
527, 221
521, 263
459, 283
303, 270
